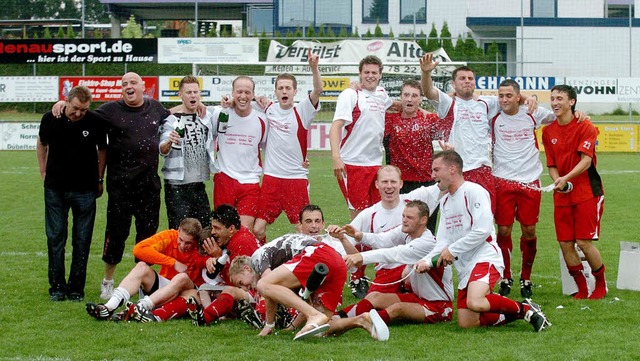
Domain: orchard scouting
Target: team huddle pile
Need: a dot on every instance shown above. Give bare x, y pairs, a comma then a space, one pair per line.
215, 265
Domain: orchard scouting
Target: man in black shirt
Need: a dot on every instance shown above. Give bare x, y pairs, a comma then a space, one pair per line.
71, 153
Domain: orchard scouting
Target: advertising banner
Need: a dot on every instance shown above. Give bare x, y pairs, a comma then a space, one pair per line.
28, 89
105, 88
611, 138
18, 136
208, 50
606, 90
525, 82
49, 51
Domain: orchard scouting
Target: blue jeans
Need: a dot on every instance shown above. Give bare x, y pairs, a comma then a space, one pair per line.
83, 208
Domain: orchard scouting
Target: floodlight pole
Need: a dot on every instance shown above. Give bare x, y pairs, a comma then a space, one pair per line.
521, 37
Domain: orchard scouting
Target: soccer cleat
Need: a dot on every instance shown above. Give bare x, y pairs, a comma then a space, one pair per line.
535, 316
98, 311
505, 287
526, 290
143, 315
126, 314
284, 316
106, 289
248, 314
360, 287
196, 312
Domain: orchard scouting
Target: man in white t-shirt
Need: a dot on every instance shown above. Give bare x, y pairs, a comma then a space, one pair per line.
284, 185
466, 239
517, 169
237, 182
356, 136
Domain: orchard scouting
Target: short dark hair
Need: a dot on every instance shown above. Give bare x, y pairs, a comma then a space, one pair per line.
370, 59
227, 215
450, 157
412, 83
423, 208
461, 68
80, 92
189, 79
570, 91
287, 76
310, 208
192, 227
512, 83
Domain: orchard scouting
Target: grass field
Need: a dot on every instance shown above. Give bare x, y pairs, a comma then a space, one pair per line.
35, 328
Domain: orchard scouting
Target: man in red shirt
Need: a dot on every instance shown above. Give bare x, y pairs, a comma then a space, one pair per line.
579, 193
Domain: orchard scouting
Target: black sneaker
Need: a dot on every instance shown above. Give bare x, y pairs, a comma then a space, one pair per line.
505, 287
57, 296
195, 311
535, 316
75, 297
98, 311
126, 314
143, 315
248, 314
360, 287
284, 316
526, 290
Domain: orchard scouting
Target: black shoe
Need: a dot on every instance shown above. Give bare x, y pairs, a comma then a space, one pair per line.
57, 296
143, 315
195, 311
525, 288
505, 287
284, 316
248, 314
75, 297
126, 314
360, 287
535, 316
98, 311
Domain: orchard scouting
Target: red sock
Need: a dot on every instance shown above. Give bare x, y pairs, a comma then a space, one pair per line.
529, 250
495, 319
219, 307
362, 307
500, 304
173, 309
385, 316
601, 284
581, 281
506, 245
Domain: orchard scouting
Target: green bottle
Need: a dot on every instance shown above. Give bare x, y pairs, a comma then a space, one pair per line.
223, 120
434, 260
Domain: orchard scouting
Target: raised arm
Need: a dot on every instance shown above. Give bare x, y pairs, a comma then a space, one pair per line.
317, 79
426, 66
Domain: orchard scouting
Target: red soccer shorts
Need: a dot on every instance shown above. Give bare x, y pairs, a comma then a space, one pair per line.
434, 311
330, 292
481, 272
281, 194
244, 197
484, 177
385, 276
359, 186
580, 221
516, 201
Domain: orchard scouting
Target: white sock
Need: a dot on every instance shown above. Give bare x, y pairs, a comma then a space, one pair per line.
146, 303
119, 297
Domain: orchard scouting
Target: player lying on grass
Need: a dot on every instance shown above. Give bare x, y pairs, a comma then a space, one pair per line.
429, 299
176, 251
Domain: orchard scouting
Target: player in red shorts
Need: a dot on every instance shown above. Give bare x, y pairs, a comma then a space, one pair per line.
286, 151
466, 239
570, 148
356, 136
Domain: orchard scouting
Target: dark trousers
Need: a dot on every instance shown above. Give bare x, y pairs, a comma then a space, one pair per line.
83, 208
408, 186
186, 200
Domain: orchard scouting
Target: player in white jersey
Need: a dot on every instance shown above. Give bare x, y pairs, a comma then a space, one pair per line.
430, 297
471, 132
238, 158
356, 136
517, 169
466, 239
286, 150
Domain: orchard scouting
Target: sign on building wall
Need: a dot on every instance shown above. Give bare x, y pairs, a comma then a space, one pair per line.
208, 50
606, 90
28, 88
92, 51
105, 88
611, 138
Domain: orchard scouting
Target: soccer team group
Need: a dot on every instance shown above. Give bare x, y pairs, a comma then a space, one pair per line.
217, 264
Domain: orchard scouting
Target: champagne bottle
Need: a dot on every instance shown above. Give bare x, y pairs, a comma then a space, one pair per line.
220, 262
223, 120
434, 260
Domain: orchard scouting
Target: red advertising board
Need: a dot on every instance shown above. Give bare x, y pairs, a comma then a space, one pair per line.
105, 88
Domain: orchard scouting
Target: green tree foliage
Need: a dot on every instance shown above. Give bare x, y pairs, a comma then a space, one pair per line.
493, 54
343, 33
132, 30
378, 31
35, 35
70, 33
311, 32
355, 33
458, 53
445, 39
391, 36
213, 33
379, 9
263, 45
330, 33
432, 43
368, 34
61, 34
95, 11
422, 41
47, 33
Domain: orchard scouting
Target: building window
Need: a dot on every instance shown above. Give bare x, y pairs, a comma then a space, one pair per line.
413, 11
544, 8
375, 11
620, 9
296, 13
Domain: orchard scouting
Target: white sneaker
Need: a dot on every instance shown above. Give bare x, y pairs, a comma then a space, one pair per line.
106, 289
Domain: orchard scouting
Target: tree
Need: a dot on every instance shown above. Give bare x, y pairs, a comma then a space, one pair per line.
311, 32
432, 43
391, 36
379, 10
132, 29
321, 32
213, 33
355, 33
445, 39
368, 34
377, 32
95, 11
330, 33
494, 55
61, 33
47, 33
343, 33
70, 33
